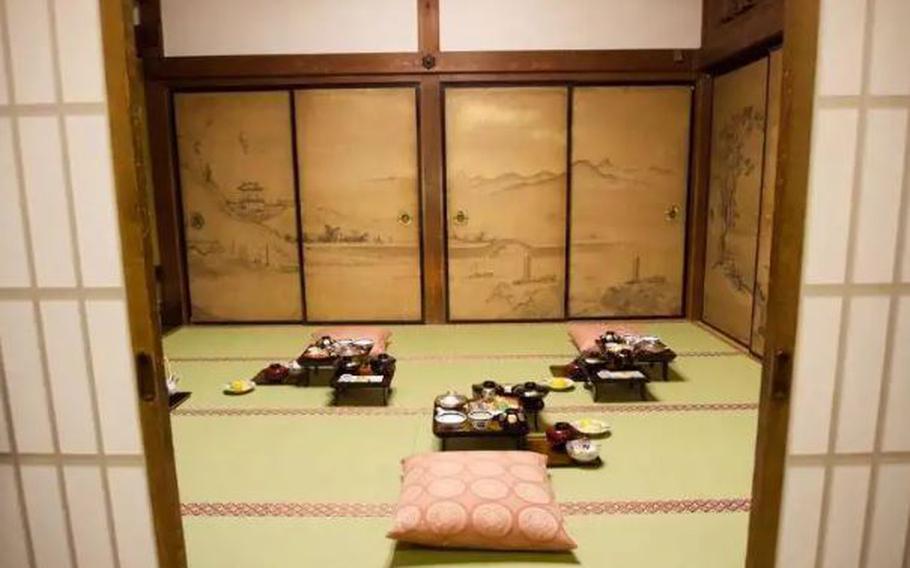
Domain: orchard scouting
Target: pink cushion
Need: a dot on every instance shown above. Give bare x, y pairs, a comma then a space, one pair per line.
483, 500
584, 334
379, 335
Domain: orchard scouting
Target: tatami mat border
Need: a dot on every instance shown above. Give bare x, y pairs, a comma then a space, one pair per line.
391, 411
441, 358
382, 510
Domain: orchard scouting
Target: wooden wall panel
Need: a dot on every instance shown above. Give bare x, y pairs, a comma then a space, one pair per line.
766, 222
732, 28
506, 202
237, 183
630, 158
737, 144
360, 206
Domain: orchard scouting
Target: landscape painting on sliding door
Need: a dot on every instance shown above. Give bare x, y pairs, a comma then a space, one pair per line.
734, 198
237, 184
766, 222
505, 151
630, 156
360, 207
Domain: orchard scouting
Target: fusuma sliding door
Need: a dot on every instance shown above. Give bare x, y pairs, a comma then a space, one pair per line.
630, 162
734, 198
506, 202
358, 164
237, 184
766, 221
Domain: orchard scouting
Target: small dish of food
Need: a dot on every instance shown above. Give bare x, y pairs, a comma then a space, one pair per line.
561, 384
240, 386
316, 352
583, 450
480, 419
365, 345
591, 426
450, 418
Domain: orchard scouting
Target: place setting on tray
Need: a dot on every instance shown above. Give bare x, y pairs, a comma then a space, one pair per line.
344, 364
621, 359
490, 413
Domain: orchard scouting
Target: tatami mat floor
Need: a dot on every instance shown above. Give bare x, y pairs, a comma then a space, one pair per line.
279, 478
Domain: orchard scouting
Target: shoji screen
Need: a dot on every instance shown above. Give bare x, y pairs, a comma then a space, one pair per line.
240, 225
846, 498
737, 146
73, 485
630, 162
360, 205
506, 202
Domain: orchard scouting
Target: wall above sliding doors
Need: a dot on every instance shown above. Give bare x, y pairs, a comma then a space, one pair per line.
360, 208
248, 27
237, 183
506, 202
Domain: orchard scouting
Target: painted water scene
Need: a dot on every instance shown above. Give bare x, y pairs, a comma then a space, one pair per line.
506, 202
630, 153
237, 184
734, 198
357, 158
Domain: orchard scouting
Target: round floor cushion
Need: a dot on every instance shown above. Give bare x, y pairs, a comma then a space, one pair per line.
482, 500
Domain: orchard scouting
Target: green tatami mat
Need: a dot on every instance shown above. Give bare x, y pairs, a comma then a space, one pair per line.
672, 455
626, 541
421, 340
728, 378
288, 448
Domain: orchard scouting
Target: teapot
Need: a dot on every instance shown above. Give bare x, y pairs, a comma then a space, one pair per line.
451, 400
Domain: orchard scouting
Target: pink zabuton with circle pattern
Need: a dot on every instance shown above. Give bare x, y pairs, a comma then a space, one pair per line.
483, 500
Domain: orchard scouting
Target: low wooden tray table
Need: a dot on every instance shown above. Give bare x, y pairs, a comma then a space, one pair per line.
341, 384
599, 377
662, 358
314, 368
494, 429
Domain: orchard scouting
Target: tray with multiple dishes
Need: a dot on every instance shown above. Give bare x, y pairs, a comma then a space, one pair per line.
454, 416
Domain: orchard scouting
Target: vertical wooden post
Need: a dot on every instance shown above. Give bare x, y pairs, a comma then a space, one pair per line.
433, 199
126, 108
697, 209
172, 277
791, 192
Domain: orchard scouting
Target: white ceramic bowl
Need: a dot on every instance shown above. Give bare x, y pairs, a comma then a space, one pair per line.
583, 450
480, 419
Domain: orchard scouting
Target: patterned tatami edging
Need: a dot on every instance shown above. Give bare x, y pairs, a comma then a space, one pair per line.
439, 358
643, 408
381, 510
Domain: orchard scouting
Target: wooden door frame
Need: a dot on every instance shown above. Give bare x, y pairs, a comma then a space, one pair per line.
132, 181
801, 24
132, 170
